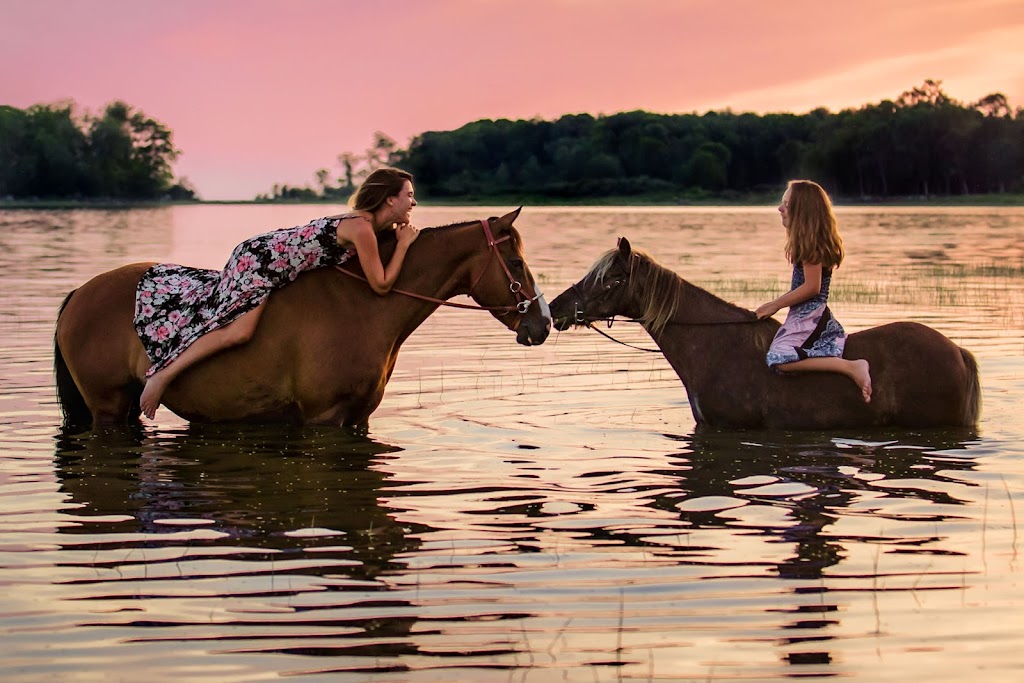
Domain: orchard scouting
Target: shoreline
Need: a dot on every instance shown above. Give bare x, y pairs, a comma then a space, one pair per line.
987, 200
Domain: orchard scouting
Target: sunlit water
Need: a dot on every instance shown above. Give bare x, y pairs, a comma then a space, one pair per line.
517, 514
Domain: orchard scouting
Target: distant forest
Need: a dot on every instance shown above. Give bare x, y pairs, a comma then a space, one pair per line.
924, 144
49, 152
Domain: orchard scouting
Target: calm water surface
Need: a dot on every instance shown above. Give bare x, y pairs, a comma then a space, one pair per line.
545, 514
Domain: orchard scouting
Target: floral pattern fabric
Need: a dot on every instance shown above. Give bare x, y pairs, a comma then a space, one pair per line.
175, 305
810, 330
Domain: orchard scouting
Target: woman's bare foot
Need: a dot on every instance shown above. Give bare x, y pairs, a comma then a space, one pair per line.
862, 376
151, 394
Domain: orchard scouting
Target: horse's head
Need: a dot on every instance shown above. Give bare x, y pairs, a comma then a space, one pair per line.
502, 280
621, 282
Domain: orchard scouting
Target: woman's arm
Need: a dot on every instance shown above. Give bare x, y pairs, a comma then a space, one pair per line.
359, 232
810, 287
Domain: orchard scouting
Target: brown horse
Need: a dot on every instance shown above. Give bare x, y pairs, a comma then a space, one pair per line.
920, 378
325, 346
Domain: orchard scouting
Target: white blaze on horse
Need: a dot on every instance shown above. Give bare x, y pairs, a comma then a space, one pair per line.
324, 348
920, 377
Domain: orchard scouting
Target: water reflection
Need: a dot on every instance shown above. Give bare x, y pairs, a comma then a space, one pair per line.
335, 558
291, 492
818, 480
515, 517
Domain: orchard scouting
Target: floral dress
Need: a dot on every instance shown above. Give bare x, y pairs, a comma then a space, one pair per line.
810, 330
175, 305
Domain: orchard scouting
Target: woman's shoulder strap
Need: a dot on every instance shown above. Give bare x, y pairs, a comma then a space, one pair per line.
352, 214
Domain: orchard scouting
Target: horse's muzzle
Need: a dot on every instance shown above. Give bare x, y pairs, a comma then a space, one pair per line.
564, 323
565, 311
535, 325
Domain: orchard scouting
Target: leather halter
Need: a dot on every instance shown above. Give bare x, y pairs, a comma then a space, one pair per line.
514, 286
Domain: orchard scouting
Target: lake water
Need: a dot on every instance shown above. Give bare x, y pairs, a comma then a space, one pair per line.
523, 514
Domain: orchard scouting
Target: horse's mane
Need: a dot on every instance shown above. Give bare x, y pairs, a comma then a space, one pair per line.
655, 287
516, 239
386, 238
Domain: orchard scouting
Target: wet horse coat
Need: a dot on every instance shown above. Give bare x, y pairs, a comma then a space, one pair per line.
325, 346
920, 377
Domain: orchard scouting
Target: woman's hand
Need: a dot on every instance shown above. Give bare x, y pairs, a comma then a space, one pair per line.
406, 233
766, 310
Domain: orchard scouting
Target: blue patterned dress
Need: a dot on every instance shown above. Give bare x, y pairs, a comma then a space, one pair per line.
810, 330
175, 305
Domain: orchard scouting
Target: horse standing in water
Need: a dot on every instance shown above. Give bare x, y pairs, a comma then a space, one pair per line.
325, 346
920, 377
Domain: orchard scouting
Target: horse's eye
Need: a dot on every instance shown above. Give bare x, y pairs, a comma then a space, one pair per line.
517, 263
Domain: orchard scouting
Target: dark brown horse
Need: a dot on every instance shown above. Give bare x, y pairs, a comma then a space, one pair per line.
325, 346
920, 378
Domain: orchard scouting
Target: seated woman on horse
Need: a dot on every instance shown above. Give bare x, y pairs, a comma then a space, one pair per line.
184, 315
811, 339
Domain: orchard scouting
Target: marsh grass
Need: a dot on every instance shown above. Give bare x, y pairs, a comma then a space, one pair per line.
926, 285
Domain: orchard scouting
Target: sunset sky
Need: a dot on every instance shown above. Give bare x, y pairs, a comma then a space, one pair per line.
259, 92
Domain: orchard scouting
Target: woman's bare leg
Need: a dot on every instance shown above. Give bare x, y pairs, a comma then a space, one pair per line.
238, 331
857, 370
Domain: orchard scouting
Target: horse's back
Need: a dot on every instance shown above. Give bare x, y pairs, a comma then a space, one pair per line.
313, 358
920, 377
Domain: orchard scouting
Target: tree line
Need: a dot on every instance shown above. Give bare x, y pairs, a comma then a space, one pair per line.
923, 144
48, 151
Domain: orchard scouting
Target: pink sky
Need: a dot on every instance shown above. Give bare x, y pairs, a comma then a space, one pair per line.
259, 92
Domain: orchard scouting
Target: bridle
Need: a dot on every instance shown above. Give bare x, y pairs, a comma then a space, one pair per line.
516, 287
580, 318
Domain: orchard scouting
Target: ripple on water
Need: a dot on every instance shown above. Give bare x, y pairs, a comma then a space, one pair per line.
548, 512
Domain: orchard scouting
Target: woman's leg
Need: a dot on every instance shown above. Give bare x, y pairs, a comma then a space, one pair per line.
238, 331
857, 370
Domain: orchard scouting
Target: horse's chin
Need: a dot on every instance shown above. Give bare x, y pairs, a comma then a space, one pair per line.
527, 338
562, 324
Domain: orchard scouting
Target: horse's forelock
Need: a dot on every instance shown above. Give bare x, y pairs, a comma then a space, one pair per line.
652, 285
599, 271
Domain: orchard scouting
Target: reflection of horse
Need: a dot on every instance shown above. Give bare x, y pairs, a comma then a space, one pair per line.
263, 485
920, 378
325, 346
292, 511
725, 465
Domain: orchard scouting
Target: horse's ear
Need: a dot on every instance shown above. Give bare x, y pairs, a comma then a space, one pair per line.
508, 219
624, 249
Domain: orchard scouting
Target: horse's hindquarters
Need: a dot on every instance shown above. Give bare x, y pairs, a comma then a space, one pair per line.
919, 376
96, 336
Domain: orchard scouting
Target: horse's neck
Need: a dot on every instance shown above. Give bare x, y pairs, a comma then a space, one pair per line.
700, 308
706, 331
438, 263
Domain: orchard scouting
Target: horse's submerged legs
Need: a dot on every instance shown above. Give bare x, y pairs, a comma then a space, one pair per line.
238, 331
857, 370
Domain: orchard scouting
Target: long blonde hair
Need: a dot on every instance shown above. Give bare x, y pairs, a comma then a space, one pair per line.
813, 234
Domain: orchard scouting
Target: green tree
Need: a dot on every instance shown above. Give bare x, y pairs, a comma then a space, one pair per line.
131, 153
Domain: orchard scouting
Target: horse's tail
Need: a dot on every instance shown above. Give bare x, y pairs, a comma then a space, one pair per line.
972, 397
69, 398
